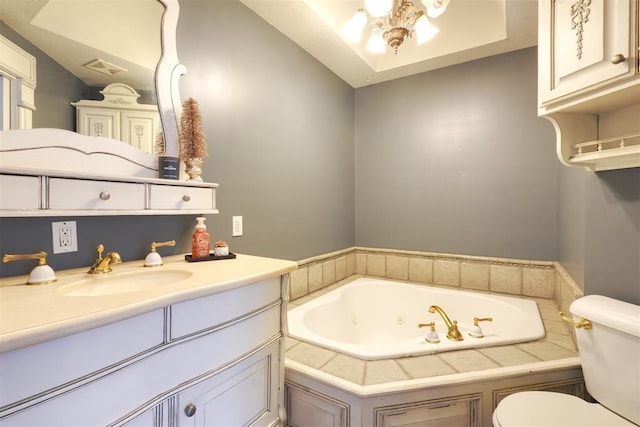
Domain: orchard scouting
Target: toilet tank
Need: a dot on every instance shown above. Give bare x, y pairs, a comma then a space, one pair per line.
610, 353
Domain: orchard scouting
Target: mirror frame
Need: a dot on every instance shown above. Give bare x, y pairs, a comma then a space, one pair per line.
168, 73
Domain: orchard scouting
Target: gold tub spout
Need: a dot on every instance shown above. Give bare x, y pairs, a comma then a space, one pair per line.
453, 333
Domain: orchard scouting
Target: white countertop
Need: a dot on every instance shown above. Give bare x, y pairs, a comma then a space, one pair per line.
31, 314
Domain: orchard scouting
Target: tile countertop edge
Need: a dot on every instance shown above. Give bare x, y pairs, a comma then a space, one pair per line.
244, 270
362, 391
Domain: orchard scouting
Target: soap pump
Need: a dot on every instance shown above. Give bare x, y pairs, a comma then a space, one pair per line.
200, 241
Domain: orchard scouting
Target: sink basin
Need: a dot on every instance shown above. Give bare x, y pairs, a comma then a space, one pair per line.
112, 284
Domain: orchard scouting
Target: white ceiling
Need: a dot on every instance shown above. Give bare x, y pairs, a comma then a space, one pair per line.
469, 29
73, 34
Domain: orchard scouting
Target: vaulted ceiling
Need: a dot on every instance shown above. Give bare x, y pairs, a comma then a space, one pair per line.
468, 30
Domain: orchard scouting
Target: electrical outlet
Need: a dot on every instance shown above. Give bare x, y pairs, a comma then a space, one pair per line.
65, 237
237, 226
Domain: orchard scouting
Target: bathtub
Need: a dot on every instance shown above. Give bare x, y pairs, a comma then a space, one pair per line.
378, 319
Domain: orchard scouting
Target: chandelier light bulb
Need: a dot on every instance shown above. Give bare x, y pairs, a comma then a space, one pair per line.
424, 29
353, 28
376, 43
378, 8
435, 8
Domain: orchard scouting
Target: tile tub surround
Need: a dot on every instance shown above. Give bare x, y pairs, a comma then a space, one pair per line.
538, 279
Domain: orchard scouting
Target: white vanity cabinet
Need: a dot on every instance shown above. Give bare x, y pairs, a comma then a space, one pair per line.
215, 360
589, 80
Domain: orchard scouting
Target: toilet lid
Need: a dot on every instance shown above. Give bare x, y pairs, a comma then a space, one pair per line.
543, 408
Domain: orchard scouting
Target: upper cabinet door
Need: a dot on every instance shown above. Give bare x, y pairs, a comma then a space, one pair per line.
586, 45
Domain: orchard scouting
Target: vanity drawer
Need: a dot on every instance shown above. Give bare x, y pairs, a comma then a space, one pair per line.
176, 197
19, 192
81, 194
71, 358
190, 317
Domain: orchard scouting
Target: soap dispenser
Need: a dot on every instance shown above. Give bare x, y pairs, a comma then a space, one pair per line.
200, 241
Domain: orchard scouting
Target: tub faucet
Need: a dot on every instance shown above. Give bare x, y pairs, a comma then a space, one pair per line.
103, 265
453, 334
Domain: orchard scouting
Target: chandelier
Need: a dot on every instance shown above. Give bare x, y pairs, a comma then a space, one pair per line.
393, 21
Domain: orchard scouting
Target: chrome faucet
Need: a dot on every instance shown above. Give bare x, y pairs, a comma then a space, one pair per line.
453, 333
103, 265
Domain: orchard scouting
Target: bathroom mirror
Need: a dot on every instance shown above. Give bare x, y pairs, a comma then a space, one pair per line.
146, 59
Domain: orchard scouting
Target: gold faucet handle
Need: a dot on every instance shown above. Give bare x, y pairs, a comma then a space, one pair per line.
42, 274
481, 319
40, 256
100, 249
155, 245
584, 323
431, 325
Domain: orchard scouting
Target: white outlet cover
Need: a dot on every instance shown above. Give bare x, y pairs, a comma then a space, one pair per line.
237, 226
64, 236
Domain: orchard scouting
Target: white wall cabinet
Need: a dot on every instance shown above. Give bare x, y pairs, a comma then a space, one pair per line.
586, 44
119, 116
214, 368
589, 80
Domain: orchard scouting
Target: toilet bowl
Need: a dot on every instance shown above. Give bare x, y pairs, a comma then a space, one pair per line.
608, 338
548, 409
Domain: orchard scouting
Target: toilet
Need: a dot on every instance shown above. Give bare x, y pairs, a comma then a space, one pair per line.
610, 357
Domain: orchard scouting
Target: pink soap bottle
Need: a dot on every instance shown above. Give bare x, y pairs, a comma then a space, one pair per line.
200, 240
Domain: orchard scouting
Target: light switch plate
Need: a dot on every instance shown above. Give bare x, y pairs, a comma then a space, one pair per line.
237, 226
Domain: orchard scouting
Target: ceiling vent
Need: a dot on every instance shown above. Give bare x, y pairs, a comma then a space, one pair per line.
104, 67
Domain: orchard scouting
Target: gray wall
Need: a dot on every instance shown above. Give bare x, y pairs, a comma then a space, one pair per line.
600, 239
279, 128
456, 161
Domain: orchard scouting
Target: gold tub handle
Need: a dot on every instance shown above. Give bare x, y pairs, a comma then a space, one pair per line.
584, 323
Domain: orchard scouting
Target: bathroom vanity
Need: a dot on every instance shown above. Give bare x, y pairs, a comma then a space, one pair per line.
207, 345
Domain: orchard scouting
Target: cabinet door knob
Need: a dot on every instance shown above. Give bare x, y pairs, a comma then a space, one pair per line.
190, 410
105, 195
186, 197
618, 58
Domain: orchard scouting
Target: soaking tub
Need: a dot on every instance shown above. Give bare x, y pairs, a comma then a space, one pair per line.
378, 319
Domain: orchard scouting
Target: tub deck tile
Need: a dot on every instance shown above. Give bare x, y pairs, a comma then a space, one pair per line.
384, 371
346, 367
563, 340
310, 355
555, 327
468, 360
546, 350
509, 355
425, 366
